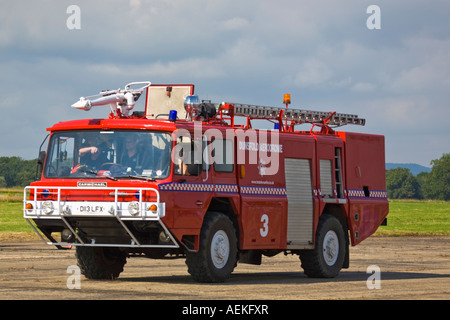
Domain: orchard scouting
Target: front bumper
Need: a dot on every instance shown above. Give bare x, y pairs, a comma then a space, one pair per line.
111, 223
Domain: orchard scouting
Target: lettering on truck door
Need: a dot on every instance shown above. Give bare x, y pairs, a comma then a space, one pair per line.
263, 195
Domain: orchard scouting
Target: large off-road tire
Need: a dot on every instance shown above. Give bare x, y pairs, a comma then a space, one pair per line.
327, 258
100, 263
217, 254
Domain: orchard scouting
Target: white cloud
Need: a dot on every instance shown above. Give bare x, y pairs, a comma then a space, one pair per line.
363, 87
236, 23
312, 72
430, 73
252, 51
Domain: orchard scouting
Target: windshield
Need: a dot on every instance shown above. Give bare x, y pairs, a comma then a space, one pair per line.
110, 154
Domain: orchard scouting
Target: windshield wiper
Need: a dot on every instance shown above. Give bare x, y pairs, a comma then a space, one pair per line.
131, 176
109, 177
137, 177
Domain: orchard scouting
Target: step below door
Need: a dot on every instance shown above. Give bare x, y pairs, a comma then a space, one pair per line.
300, 203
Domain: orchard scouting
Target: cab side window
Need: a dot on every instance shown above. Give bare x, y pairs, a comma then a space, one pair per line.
223, 155
188, 159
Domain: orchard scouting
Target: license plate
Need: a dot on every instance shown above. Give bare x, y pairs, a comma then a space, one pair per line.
91, 209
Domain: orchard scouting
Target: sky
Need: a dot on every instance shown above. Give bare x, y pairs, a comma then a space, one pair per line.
325, 53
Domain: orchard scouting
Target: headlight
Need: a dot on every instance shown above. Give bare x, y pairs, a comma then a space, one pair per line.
47, 207
133, 208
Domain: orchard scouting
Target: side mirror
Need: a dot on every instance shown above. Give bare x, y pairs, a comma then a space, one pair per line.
41, 158
40, 163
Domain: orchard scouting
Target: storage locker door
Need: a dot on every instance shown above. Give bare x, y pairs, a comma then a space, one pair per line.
326, 179
300, 203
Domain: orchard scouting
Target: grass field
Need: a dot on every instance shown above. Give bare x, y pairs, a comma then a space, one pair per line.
414, 217
406, 218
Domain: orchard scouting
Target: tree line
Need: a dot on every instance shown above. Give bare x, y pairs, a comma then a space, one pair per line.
400, 182
16, 172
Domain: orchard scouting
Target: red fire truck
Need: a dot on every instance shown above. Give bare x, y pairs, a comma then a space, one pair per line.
198, 180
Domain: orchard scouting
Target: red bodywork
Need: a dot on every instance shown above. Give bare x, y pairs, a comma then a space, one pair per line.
257, 202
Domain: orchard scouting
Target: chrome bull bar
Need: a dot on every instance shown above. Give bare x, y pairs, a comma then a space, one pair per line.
137, 210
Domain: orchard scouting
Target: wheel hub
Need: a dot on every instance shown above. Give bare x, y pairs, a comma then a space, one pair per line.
330, 248
220, 249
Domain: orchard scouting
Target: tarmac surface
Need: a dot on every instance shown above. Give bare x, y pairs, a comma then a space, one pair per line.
415, 268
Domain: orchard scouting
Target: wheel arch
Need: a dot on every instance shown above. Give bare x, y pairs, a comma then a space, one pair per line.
225, 206
202, 264
338, 211
222, 205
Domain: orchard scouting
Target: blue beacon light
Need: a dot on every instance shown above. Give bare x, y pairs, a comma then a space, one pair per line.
173, 115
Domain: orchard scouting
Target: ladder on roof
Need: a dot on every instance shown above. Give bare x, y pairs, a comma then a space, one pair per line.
295, 116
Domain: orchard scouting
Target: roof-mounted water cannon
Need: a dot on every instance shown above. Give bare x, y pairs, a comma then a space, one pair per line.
121, 101
197, 110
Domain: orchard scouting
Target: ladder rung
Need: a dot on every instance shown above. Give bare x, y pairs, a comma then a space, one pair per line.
302, 116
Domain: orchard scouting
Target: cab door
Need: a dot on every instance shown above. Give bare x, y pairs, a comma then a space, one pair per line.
221, 169
192, 185
263, 195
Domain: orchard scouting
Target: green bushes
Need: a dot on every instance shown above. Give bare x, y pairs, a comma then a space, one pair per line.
402, 184
14, 171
